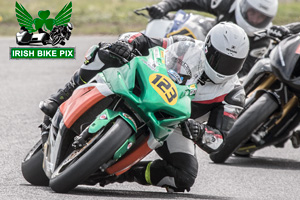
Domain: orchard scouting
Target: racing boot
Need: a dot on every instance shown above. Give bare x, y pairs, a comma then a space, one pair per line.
137, 173
50, 105
140, 173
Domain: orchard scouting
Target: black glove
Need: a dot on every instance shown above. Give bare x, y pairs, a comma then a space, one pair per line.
156, 12
122, 49
192, 129
279, 32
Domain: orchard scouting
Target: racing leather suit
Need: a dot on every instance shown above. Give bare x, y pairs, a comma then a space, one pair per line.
221, 102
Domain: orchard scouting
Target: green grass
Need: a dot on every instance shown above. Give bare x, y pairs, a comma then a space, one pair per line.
105, 16
287, 13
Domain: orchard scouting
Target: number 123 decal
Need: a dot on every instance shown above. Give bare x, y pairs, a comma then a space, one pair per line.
165, 87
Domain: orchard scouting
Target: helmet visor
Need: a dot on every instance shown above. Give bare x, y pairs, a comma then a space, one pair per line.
222, 63
253, 16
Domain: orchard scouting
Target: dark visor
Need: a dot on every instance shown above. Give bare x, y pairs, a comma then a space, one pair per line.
221, 63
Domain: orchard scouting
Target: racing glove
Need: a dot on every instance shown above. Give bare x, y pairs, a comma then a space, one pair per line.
279, 32
206, 137
192, 129
122, 49
156, 12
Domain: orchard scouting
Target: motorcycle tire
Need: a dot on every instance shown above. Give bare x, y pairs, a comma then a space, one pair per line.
102, 151
56, 40
32, 166
244, 126
245, 155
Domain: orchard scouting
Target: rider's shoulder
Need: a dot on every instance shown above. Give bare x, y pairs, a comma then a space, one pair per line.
128, 35
222, 5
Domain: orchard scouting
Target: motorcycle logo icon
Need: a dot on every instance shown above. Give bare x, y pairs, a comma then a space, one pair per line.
60, 27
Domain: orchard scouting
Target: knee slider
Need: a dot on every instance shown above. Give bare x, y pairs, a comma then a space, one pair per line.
184, 179
161, 169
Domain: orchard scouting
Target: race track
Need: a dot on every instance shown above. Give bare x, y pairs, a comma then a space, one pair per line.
271, 174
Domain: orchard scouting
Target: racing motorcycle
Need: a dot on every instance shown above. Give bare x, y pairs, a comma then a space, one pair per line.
272, 112
110, 124
180, 23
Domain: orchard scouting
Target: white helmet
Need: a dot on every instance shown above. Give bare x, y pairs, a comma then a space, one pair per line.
70, 26
254, 15
226, 47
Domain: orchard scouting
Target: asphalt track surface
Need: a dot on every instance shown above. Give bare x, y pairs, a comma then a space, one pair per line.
270, 174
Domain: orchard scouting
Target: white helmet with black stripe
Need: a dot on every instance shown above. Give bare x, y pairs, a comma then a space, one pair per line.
226, 47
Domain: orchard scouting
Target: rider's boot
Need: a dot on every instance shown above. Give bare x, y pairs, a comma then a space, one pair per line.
50, 105
140, 173
137, 173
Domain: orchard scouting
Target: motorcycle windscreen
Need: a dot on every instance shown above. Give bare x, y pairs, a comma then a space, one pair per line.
186, 58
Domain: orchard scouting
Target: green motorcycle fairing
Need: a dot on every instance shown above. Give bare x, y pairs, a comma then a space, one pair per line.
145, 85
108, 115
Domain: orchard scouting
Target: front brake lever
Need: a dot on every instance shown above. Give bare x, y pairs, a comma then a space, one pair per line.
187, 130
139, 12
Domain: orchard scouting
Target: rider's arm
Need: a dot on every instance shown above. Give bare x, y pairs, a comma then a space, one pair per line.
174, 5
293, 27
209, 137
99, 59
209, 6
224, 116
282, 32
142, 43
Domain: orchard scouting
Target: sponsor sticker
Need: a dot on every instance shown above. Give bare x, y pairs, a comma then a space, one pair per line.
103, 116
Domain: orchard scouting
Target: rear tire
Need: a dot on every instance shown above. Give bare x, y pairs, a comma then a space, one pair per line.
32, 166
68, 177
244, 126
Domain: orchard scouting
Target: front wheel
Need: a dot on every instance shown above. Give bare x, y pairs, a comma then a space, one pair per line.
32, 166
80, 164
244, 126
56, 40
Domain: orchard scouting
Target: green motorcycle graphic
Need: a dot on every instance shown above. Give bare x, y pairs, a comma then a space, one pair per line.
59, 27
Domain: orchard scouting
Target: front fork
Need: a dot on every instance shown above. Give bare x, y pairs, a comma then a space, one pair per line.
264, 87
284, 107
132, 158
141, 148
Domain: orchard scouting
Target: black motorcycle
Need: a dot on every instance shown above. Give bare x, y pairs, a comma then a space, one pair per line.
272, 110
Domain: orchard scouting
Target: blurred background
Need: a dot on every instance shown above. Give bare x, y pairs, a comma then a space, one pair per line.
111, 17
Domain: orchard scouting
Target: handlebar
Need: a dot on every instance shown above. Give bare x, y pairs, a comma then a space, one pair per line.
264, 33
